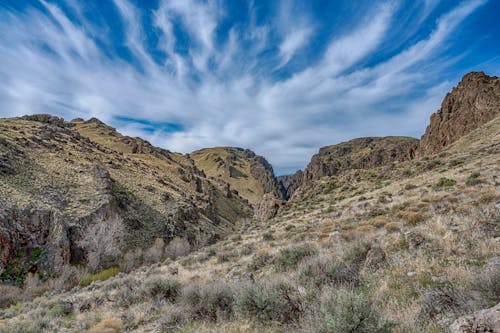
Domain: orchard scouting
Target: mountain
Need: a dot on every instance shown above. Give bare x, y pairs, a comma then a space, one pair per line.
64, 183
472, 103
361, 153
377, 236
249, 174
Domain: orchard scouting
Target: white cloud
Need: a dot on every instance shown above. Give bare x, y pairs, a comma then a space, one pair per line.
224, 92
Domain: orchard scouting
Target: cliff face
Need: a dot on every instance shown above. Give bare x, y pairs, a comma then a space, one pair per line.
472, 103
361, 153
249, 174
64, 183
290, 183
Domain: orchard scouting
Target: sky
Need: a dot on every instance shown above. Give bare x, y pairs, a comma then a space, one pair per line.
282, 78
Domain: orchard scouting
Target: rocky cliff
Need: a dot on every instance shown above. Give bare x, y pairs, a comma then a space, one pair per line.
472, 103
249, 174
63, 184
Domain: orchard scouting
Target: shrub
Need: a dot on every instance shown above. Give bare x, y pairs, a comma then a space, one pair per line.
129, 293
412, 218
174, 319
165, 289
259, 261
208, 301
355, 253
101, 276
177, 247
322, 271
226, 256
344, 311
290, 257
474, 179
268, 236
445, 182
441, 301
269, 301
60, 309
21, 327
9, 295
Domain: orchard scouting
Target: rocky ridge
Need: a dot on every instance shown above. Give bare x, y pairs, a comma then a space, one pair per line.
472, 103
249, 174
59, 180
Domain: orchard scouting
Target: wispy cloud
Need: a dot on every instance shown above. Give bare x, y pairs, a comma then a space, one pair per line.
276, 79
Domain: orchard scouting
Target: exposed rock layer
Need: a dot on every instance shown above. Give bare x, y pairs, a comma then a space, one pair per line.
472, 103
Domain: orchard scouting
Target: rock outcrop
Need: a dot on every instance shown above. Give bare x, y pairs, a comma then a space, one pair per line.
472, 103
361, 153
483, 321
60, 181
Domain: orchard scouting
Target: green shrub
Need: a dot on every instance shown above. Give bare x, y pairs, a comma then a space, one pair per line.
355, 253
474, 179
210, 301
445, 182
259, 261
22, 327
100, 276
274, 301
60, 309
165, 289
290, 257
344, 311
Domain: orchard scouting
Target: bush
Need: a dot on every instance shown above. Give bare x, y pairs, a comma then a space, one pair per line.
174, 319
441, 301
163, 289
268, 236
178, 247
226, 256
208, 301
474, 179
322, 271
355, 253
275, 301
445, 182
344, 311
290, 257
129, 293
259, 261
101, 276
22, 327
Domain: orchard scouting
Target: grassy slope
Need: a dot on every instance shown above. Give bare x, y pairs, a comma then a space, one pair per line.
247, 186
433, 237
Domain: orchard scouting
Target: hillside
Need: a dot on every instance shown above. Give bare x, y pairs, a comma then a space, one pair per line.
101, 232
249, 174
63, 184
414, 243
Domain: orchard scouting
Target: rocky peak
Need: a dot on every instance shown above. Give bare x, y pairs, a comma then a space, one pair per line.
472, 103
361, 153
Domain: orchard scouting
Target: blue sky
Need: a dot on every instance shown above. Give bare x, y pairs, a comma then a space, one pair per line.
280, 77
